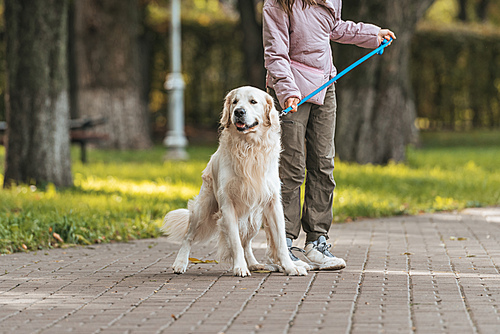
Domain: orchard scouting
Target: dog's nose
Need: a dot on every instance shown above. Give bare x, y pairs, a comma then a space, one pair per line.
239, 112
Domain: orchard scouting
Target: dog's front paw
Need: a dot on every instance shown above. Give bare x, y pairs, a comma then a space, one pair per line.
296, 271
241, 271
302, 264
179, 267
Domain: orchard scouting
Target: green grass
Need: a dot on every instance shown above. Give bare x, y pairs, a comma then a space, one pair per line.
121, 196
451, 171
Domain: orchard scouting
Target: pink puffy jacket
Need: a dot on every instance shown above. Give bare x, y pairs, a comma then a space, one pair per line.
297, 52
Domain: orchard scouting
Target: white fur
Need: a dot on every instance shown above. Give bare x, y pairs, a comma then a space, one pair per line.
240, 191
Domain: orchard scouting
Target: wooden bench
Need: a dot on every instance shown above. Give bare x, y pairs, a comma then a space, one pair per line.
80, 133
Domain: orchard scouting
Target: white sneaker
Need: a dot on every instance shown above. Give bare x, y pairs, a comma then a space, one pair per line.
317, 252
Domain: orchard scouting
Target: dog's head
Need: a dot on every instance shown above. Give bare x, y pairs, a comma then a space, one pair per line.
248, 109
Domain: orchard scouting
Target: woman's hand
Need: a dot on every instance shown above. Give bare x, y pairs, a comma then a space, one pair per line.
385, 34
292, 101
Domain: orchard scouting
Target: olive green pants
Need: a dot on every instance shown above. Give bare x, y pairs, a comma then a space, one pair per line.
308, 144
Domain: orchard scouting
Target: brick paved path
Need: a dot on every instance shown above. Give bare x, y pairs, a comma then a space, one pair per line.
425, 274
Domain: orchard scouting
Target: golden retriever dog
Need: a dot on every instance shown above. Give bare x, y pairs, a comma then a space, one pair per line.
240, 190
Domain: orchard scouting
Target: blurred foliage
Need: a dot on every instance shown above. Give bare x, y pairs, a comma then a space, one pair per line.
456, 76
205, 12
3, 81
212, 61
447, 11
212, 67
442, 11
212, 64
470, 140
122, 195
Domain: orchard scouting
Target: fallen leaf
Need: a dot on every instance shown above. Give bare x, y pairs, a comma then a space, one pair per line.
458, 238
82, 239
57, 237
195, 260
261, 271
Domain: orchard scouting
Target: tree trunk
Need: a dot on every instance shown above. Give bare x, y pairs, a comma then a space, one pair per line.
108, 77
482, 10
462, 13
252, 44
38, 146
376, 108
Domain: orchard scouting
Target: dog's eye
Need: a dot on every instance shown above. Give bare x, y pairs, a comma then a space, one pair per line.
235, 101
253, 101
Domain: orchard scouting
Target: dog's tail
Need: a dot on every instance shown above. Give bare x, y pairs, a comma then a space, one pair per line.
200, 213
175, 224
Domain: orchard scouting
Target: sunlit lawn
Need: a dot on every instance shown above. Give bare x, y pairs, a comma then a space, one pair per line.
121, 196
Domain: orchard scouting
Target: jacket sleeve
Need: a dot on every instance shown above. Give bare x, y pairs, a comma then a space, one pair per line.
348, 32
276, 37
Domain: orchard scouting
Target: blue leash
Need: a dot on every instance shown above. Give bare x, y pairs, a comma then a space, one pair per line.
379, 50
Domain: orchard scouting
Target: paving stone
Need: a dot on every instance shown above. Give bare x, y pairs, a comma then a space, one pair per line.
431, 273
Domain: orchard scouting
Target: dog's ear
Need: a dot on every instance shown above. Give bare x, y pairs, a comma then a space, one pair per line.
272, 118
225, 120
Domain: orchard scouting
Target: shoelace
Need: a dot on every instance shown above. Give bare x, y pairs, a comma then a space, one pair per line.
323, 248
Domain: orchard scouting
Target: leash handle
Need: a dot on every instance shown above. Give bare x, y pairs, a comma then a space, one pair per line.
380, 50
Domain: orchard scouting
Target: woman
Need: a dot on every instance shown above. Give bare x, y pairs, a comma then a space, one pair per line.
298, 60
